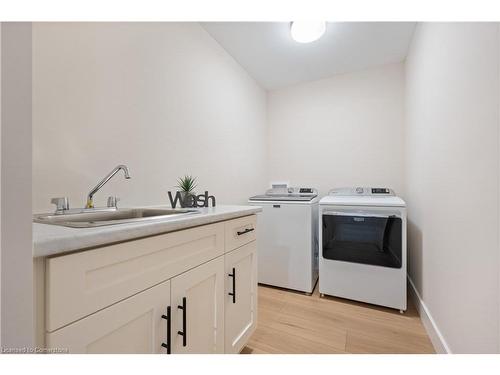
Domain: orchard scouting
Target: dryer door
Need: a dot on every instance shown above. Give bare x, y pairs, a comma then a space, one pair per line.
365, 237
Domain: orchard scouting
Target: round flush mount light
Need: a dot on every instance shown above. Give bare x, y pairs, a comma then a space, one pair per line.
307, 31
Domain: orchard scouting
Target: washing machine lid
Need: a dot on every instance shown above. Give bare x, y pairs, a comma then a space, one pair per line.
297, 194
363, 196
287, 197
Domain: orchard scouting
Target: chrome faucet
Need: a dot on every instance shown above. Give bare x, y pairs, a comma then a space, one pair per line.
90, 197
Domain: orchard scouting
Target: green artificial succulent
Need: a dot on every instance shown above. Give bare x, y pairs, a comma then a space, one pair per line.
187, 183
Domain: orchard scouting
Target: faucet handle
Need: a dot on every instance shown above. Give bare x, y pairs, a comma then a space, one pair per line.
62, 204
113, 201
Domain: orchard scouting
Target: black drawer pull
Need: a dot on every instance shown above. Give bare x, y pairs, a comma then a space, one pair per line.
167, 317
245, 231
183, 333
233, 275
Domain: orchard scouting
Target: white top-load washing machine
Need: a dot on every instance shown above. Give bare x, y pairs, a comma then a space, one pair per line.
362, 233
287, 244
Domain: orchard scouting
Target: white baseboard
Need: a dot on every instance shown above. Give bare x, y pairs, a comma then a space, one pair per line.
432, 329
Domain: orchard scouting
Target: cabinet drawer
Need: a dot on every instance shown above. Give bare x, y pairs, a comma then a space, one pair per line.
240, 231
80, 284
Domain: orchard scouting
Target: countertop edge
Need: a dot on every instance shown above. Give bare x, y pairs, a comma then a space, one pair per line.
71, 240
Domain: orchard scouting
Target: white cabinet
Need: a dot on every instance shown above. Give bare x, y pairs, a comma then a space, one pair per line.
82, 283
139, 324
134, 325
198, 309
191, 291
241, 297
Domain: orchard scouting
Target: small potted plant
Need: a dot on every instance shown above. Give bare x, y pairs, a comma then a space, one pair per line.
186, 186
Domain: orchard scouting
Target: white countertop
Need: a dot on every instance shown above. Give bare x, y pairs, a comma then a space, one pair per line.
53, 239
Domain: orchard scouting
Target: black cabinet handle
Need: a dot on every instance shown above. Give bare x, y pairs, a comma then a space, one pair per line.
168, 317
233, 275
183, 333
245, 231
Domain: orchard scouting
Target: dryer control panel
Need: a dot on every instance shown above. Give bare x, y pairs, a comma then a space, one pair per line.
365, 191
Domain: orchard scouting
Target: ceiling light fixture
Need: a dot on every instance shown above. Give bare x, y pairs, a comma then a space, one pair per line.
307, 31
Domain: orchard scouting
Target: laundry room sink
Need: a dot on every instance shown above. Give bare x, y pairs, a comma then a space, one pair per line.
87, 219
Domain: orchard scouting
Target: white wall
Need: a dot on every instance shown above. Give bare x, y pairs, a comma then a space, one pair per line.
452, 164
163, 98
16, 225
342, 131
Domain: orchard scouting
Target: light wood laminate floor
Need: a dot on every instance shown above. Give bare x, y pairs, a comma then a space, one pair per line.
290, 322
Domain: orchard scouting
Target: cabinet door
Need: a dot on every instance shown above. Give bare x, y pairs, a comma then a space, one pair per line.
198, 308
134, 325
241, 297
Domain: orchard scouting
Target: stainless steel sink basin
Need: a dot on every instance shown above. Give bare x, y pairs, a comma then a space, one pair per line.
86, 219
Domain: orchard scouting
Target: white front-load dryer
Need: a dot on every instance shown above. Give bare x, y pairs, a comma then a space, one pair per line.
362, 234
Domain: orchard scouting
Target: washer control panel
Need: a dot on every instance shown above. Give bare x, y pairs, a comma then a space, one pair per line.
301, 191
383, 191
